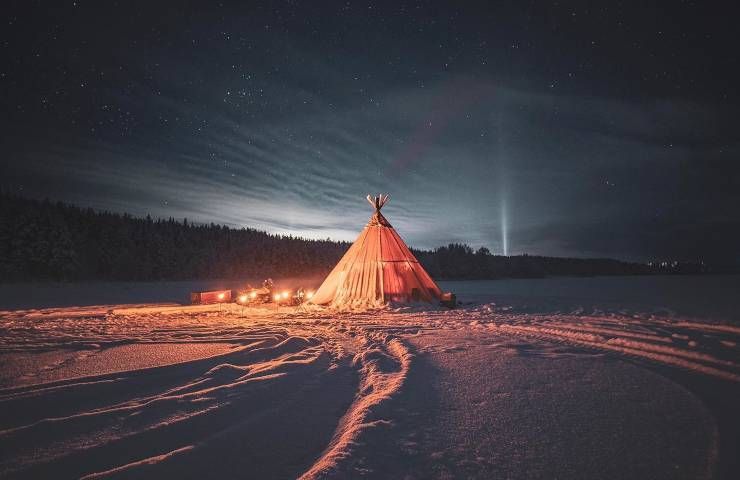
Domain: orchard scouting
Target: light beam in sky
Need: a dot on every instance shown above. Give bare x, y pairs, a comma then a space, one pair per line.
504, 228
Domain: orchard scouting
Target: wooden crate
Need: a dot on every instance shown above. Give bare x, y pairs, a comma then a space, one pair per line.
448, 300
215, 296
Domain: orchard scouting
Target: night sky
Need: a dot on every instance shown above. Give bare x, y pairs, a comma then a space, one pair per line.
555, 128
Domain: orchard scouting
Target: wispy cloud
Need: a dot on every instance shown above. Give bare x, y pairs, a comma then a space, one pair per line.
449, 154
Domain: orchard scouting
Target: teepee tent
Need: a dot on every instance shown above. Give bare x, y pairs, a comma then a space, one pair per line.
376, 269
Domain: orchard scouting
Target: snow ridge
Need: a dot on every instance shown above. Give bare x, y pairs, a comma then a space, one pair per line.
383, 362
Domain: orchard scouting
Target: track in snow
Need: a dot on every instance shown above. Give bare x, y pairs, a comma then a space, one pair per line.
317, 394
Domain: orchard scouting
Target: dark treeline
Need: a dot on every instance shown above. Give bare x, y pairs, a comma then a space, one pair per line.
55, 241
459, 261
41, 240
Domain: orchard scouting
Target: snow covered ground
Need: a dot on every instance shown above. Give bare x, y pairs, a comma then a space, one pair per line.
528, 380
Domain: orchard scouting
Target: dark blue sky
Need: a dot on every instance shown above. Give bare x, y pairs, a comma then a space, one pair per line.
564, 128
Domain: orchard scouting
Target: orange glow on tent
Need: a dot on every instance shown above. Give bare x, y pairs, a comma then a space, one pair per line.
377, 268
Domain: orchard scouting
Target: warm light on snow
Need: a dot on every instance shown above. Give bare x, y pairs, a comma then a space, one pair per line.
318, 394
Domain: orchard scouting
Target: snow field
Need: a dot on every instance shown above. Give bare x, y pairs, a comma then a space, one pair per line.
164, 390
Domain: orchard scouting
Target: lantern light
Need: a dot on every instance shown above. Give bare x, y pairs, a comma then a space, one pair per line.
253, 294
243, 298
309, 294
286, 294
276, 297
220, 296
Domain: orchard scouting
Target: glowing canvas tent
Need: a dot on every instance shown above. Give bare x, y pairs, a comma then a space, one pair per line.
376, 269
